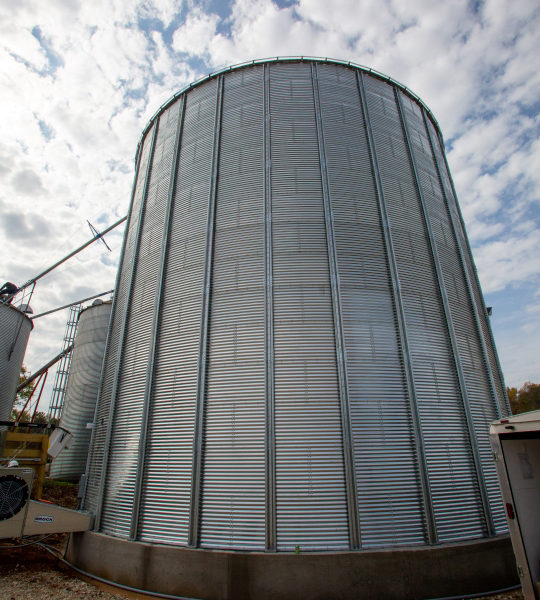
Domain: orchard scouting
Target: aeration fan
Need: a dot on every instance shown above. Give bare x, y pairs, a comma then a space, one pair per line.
21, 516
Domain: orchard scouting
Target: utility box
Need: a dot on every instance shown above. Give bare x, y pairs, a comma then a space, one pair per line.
516, 449
60, 439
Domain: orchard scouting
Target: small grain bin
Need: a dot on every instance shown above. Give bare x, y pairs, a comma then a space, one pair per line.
15, 328
82, 389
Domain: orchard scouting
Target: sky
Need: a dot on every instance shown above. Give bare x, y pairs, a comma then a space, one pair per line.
80, 80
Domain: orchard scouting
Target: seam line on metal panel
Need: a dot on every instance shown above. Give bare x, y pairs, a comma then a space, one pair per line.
123, 328
155, 329
269, 328
448, 319
471, 293
402, 326
341, 358
193, 535
470, 421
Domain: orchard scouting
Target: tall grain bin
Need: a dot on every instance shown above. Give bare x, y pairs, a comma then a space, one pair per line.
15, 328
82, 389
300, 359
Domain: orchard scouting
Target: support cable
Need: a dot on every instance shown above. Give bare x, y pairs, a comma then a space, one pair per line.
71, 304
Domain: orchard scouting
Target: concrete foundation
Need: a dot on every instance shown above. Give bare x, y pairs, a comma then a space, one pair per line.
402, 574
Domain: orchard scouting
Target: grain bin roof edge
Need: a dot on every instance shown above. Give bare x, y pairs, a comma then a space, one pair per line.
20, 312
276, 59
93, 306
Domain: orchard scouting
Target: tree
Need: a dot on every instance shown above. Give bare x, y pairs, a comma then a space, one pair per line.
525, 399
23, 395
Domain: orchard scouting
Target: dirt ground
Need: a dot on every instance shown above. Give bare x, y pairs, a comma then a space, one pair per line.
32, 573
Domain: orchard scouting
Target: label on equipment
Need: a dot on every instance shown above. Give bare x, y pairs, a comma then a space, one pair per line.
43, 519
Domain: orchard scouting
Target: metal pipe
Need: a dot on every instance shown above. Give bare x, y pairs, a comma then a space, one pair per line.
402, 324
63, 260
29, 398
155, 327
28, 381
203, 340
40, 393
341, 356
270, 426
123, 329
449, 324
72, 304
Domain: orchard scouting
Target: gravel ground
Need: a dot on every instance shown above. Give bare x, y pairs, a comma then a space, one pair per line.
33, 573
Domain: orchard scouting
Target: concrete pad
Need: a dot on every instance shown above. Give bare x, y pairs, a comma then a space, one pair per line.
406, 573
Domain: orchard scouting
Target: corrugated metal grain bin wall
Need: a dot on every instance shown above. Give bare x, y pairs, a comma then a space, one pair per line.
299, 351
15, 328
82, 389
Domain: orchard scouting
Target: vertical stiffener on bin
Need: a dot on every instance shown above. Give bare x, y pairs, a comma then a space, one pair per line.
299, 352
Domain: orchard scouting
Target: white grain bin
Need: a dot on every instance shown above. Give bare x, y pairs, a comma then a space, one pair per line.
15, 328
82, 389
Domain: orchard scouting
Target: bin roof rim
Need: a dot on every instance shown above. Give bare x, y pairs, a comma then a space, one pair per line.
276, 59
16, 308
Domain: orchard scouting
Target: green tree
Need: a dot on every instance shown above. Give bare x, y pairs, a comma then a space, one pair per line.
525, 399
24, 394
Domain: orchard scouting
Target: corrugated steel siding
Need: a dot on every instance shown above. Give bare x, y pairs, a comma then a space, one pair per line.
167, 476
233, 499
311, 507
442, 420
462, 513
132, 376
386, 469
473, 359
233, 489
15, 328
98, 444
82, 389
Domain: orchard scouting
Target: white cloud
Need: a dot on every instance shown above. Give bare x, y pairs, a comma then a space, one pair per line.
196, 34
78, 100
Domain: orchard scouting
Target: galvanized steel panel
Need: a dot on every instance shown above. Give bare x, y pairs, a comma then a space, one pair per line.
15, 328
122, 465
470, 338
167, 477
99, 438
233, 489
386, 468
270, 207
311, 507
442, 419
82, 389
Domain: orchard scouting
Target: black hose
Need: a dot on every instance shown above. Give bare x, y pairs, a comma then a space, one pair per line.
481, 594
